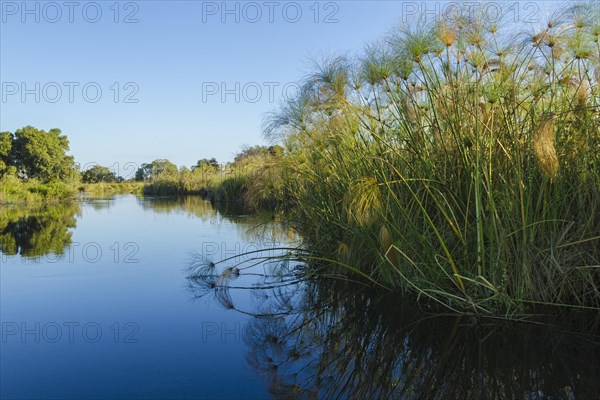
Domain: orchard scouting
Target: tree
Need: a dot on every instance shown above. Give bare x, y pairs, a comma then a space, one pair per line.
276, 150
206, 164
155, 169
258, 151
6, 142
98, 173
42, 155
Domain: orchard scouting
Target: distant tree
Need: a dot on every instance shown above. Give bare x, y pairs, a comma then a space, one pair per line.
98, 173
6, 142
140, 174
275, 151
155, 169
258, 151
206, 163
251, 151
42, 155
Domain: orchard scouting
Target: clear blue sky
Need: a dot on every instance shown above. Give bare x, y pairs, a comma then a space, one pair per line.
173, 55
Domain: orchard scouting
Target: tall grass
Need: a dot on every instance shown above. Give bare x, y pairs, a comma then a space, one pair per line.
250, 184
183, 182
14, 191
456, 162
112, 187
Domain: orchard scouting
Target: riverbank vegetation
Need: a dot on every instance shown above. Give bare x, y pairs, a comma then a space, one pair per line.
250, 183
456, 162
34, 166
451, 161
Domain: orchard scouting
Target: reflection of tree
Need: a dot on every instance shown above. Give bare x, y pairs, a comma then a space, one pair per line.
99, 203
35, 231
192, 206
251, 228
262, 227
324, 339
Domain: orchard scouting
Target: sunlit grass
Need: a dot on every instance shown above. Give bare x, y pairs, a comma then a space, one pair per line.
14, 191
456, 163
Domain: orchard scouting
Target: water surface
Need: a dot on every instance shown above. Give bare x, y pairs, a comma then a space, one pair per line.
96, 303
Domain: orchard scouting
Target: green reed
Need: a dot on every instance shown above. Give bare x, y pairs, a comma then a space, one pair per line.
455, 162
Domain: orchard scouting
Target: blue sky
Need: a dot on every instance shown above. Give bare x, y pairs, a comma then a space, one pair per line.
171, 61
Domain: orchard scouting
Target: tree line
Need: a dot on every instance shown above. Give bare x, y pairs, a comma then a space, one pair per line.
31, 153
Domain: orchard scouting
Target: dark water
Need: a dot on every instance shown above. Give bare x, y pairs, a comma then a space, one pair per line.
95, 303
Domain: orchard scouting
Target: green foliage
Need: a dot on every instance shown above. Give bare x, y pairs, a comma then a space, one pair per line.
166, 186
252, 182
97, 174
41, 155
161, 177
34, 166
230, 190
54, 189
6, 140
206, 164
455, 163
156, 169
105, 188
258, 151
13, 190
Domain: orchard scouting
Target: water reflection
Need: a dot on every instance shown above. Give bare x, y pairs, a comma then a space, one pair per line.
192, 206
253, 228
323, 339
305, 337
100, 203
37, 230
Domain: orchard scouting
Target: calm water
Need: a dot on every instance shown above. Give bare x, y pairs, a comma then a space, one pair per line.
96, 303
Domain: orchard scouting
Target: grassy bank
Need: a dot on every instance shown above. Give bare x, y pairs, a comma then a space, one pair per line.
111, 188
457, 163
15, 191
251, 183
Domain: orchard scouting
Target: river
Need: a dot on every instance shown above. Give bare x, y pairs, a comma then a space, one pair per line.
124, 297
